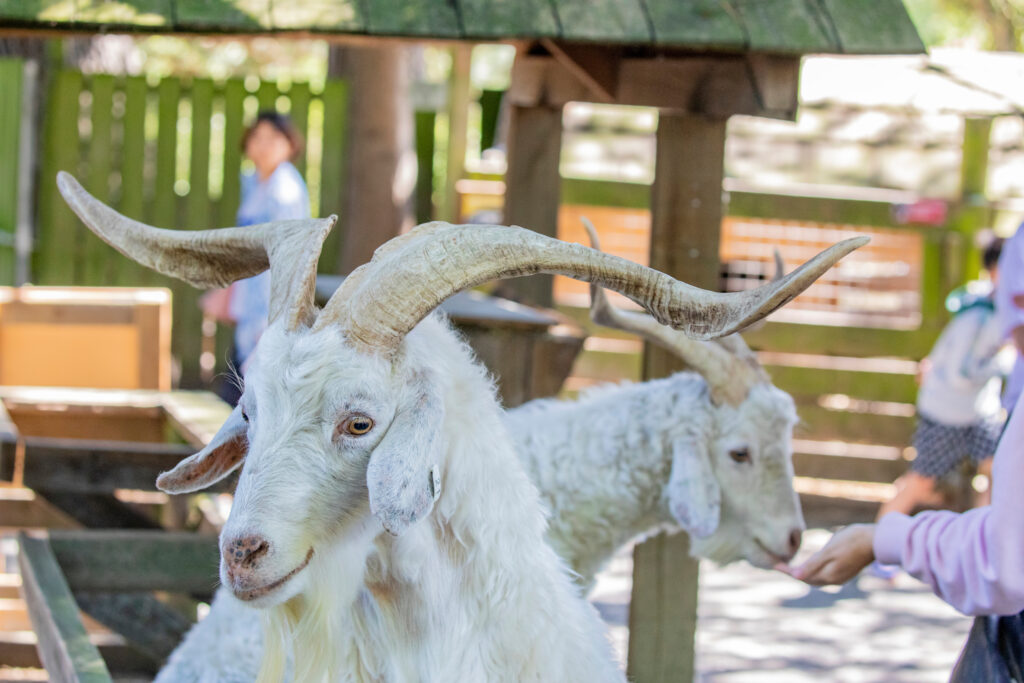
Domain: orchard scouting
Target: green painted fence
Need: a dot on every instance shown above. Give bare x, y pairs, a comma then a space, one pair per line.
166, 153
11, 78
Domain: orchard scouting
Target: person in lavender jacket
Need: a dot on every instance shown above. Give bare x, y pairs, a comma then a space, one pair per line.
274, 190
972, 560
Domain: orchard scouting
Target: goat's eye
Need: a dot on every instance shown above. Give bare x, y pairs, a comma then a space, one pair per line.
245, 416
357, 425
741, 455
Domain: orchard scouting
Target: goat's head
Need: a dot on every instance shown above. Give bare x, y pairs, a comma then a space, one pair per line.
341, 418
734, 495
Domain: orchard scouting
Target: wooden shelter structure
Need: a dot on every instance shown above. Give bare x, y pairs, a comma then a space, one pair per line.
698, 61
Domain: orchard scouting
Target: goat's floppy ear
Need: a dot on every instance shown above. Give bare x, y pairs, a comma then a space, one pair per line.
221, 456
403, 477
694, 497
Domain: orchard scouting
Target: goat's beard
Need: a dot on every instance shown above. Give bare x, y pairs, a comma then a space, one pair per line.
304, 629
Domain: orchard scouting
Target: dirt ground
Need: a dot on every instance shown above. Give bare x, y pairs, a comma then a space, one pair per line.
756, 626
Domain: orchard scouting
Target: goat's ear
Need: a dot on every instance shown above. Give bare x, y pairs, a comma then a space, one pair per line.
402, 476
694, 496
221, 456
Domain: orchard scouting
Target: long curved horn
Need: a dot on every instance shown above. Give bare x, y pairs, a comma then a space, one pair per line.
730, 377
412, 274
216, 258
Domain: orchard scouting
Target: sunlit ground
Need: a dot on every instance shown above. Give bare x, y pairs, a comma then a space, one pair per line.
759, 626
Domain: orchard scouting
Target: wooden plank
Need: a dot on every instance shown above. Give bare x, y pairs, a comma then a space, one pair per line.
149, 625
19, 650
195, 415
198, 212
130, 560
234, 102
63, 644
784, 26
435, 18
98, 510
55, 256
825, 425
458, 126
133, 174
85, 466
848, 468
165, 203
829, 512
300, 96
871, 386
870, 27
532, 188
508, 18
603, 20
95, 253
332, 167
686, 210
706, 23
819, 208
829, 340
8, 444
266, 95
425, 121
11, 76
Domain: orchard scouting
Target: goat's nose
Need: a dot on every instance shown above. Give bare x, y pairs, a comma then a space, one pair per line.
242, 554
795, 535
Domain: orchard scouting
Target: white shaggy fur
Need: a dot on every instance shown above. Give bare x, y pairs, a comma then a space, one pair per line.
469, 593
602, 465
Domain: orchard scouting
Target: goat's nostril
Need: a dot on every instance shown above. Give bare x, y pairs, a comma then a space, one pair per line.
246, 552
794, 540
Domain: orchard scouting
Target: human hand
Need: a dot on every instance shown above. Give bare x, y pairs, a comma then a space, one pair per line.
843, 557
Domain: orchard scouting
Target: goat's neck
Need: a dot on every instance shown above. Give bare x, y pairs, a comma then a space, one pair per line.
602, 462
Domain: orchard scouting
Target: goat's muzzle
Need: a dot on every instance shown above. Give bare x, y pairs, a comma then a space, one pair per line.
244, 560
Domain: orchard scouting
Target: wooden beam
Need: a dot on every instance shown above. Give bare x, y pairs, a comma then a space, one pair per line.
686, 215
98, 511
458, 127
134, 560
532, 188
717, 86
596, 66
63, 643
84, 466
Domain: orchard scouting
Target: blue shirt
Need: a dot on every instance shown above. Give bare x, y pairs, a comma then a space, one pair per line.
282, 196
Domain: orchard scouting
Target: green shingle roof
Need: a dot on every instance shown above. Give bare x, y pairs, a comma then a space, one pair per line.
777, 26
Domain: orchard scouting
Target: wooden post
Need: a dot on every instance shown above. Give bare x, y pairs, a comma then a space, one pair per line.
532, 185
686, 217
458, 126
973, 214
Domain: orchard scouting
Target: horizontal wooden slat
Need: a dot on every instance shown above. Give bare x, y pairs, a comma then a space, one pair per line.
827, 511
137, 560
843, 341
823, 424
851, 468
98, 466
873, 386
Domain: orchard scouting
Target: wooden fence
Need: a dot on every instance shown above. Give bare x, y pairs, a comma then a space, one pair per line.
168, 153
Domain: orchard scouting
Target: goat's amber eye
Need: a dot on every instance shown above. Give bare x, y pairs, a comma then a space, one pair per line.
357, 425
740, 455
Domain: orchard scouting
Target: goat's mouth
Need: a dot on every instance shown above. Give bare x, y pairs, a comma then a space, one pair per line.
774, 558
251, 594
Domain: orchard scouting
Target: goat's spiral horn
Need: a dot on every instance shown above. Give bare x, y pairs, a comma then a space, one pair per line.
410, 275
216, 258
730, 376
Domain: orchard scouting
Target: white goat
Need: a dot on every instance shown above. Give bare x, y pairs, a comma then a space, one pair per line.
381, 521
621, 462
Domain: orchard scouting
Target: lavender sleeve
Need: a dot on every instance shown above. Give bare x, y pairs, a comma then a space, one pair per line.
975, 560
